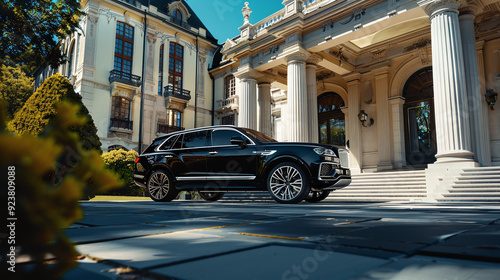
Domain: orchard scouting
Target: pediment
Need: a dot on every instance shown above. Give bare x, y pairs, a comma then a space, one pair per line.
179, 6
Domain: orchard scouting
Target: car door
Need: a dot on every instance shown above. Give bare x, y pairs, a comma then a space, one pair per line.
190, 152
226, 161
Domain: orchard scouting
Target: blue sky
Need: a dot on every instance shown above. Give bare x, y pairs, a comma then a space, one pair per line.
223, 17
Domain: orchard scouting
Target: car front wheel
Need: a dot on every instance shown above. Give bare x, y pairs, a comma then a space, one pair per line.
287, 183
317, 196
211, 196
161, 187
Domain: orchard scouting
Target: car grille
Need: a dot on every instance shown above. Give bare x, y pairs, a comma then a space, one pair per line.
327, 169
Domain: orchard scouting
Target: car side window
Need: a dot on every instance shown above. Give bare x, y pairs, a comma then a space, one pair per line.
195, 139
168, 143
178, 143
222, 137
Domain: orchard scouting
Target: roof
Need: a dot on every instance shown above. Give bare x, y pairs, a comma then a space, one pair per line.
193, 20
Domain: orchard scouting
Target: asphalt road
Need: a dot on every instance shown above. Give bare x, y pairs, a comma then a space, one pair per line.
266, 240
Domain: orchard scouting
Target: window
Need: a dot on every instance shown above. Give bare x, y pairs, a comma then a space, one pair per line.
228, 120
331, 120
168, 143
174, 118
229, 86
178, 143
223, 137
120, 108
177, 15
70, 59
195, 139
160, 73
175, 65
124, 47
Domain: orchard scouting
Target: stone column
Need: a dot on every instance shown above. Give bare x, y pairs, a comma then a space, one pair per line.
466, 19
264, 108
486, 110
248, 103
450, 92
354, 126
398, 129
312, 97
297, 99
383, 120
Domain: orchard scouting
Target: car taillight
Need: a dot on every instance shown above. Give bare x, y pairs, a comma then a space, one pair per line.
136, 160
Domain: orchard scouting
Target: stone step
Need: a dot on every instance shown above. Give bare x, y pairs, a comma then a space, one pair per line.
490, 168
379, 195
480, 177
477, 181
474, 194
480, 173
381, 184
469, 199
391, 180
367, 199
385, 187
473, 190
476, 185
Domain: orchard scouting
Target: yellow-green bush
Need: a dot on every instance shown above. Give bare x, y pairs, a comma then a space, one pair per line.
44, 208
40, 109
121, 162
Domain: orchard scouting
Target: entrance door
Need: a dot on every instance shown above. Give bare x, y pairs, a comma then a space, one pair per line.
420, 132
331, 120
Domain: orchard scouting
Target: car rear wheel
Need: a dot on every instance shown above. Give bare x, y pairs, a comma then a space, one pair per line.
287, 183
161, 187
317, 196
211, 196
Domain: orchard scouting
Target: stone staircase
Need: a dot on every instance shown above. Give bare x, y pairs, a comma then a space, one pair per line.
480, 184
383, 186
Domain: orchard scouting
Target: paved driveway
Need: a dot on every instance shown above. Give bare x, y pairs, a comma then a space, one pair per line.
199, 240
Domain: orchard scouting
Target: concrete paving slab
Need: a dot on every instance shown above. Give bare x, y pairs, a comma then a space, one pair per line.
303, 226
96, 234
421, 234
407, 248
418, 268
274, 262
143, 252
88, 269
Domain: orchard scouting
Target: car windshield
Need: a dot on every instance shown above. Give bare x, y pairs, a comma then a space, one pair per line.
261, 137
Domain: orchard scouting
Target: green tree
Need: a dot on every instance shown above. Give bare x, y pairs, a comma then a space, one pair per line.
43, 209
15, 88
40, 108
32, 30
122, 162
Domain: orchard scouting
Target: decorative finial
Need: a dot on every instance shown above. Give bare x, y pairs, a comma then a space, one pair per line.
246, 11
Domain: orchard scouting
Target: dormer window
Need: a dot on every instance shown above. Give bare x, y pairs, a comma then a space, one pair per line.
177, 15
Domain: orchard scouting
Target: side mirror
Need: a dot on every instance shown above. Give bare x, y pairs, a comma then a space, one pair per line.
238, 141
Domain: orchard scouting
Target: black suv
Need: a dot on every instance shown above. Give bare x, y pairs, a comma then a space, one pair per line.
219, 159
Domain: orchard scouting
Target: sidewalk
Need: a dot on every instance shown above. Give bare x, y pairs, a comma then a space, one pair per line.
196, 240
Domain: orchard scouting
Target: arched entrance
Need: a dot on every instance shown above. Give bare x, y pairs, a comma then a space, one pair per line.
331, 120
420, 131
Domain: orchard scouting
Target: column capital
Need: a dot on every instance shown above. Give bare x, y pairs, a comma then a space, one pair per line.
470, 9
314, 59
435, 7
299, 56
397, 100
353, 78
381, 71
245, 72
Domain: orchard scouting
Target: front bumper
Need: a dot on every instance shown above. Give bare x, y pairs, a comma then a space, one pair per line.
139, 180
331, 176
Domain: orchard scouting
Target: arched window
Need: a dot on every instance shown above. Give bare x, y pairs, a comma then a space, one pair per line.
331, 120
229, 86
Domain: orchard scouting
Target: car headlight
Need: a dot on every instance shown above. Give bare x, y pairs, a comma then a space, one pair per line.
324, 152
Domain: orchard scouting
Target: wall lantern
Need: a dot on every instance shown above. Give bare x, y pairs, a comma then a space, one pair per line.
363, 117
491, 98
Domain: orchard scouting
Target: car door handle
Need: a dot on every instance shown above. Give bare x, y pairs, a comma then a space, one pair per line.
213, 153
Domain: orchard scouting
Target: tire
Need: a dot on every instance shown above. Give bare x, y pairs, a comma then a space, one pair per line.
313, 196
211, 196
287, 183
160, 187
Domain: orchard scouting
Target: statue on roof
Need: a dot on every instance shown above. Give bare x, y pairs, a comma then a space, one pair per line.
246, 11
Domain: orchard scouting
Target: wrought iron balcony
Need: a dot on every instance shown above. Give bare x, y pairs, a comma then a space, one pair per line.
170, 91
122, 124
165, 128
125, 78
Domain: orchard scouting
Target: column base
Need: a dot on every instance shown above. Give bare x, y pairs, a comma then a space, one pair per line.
439, 177
454, 156
383, 166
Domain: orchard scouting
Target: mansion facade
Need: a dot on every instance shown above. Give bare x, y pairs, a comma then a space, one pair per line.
401, 84
126, 48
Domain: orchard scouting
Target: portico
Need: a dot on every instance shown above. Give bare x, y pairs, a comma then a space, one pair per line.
417, 68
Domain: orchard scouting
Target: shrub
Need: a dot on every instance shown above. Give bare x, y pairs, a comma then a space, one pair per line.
40, 109
42, 208
121, 163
